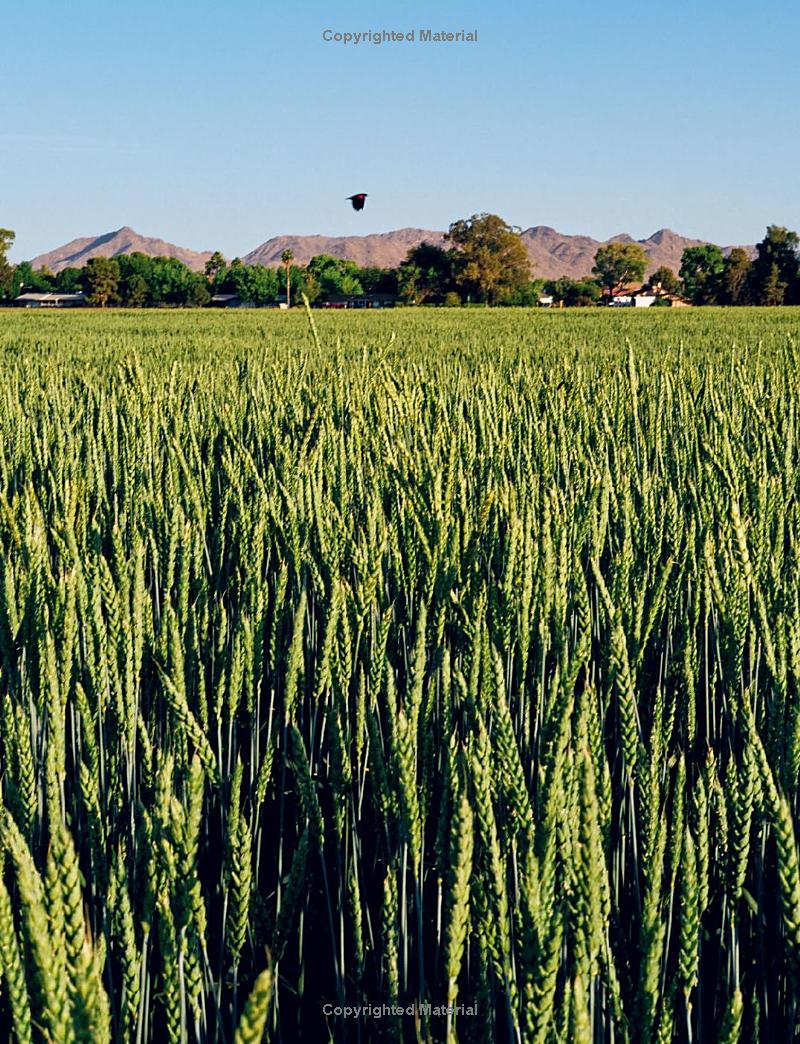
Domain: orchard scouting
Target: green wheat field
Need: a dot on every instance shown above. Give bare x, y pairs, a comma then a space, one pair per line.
424, 660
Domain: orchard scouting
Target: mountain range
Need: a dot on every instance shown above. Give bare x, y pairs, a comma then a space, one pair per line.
553, 254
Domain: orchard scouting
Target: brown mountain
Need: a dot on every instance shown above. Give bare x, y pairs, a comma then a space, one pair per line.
552, 253
382, 249
124, 241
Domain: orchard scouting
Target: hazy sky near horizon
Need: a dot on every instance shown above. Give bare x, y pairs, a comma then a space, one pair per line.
218, 127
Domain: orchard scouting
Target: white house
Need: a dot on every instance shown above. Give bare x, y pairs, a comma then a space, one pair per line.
641, 298
52, 300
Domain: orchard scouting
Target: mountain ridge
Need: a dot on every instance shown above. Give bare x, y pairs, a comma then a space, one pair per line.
553, 254
125, 240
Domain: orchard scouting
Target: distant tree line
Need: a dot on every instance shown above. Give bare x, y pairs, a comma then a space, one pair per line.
771, 278
706, 276
483, 261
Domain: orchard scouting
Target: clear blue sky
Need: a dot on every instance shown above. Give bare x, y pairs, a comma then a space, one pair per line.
218, 126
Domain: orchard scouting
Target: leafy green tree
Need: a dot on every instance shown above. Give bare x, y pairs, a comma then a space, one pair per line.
134, 292
24, 276
665, 279
526, 296
425, 275
310, 287
378, 280
199, 295
618, 264
102, 280
573, 293
253, 284
256, 284
214, 267
778, 250
700, 273
772, 290
171, 282
287, 256
490, 261
136, 280
69, 280
335, 275
7, 238
235, 280
736, 276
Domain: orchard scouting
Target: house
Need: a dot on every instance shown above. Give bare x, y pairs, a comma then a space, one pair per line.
334, 301
645, 297
546, 301
49, 300
358, 301
375, 301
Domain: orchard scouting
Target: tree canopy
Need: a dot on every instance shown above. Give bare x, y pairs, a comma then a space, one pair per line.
426, 274
7, 238
665, 279
490, 261
573, 293
102, 280
701, 267
776, 268
616, 265
334, 275
736, 274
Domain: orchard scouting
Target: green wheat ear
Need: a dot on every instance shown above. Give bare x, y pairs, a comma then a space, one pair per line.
14, 971
253, 1021
461, 843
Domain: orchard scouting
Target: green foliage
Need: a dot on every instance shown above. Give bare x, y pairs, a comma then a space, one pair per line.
574, 293
102, 280
25, 279
665, 279
616, 265
771, 289
776, 269
334, 276
254, 284
7, 238
489, 259
426, 275
378, 280
214, 267
736, 277
700, 272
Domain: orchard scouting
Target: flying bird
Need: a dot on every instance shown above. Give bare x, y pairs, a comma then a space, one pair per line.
358, 200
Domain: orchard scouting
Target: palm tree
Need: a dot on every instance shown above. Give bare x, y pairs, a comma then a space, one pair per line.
286, 260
